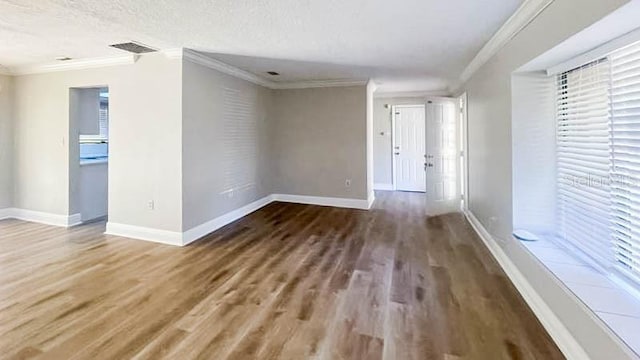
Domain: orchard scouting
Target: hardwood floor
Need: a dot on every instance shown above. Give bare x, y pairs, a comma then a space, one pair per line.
289, 281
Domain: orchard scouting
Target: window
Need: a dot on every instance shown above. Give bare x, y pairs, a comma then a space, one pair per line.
598, 161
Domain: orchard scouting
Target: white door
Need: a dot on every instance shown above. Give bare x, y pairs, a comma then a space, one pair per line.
409, 147
443, 157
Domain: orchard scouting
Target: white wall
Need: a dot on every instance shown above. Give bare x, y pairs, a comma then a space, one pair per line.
145, 141
382, 136
534, 152
227, 161
320, 140
6, 141
490, 156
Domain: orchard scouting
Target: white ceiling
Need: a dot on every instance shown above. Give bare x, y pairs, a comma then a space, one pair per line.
407, 45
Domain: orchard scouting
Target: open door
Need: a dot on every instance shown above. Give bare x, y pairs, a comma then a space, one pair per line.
442, 156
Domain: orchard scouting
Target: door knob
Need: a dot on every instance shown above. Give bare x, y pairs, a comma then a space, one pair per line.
397, 153
430, 165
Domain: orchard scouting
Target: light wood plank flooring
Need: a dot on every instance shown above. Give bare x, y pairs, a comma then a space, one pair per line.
289, 281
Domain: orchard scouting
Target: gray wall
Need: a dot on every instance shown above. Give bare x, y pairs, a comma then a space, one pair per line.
86, 105
490, 157
6, 141
382, 143
319, 141
145, 138
93, 190
227, 161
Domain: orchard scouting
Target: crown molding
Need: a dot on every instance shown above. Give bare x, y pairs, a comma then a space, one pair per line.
74, 65
223, 67
528, 11
178, 53
175, 53
318, 84
209, 62
406, 94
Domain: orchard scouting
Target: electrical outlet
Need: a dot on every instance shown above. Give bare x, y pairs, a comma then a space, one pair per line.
347, 183
151, 205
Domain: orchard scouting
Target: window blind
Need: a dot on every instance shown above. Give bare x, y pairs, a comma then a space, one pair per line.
583, 160
625, 168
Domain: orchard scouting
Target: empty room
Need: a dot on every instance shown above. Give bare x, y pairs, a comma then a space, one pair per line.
420, 179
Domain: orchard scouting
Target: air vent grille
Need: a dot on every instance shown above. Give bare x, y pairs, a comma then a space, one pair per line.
133, 47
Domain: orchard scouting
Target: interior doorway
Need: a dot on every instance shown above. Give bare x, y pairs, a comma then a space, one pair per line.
89, 152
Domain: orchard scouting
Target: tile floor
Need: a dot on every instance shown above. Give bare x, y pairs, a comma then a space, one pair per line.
619, 309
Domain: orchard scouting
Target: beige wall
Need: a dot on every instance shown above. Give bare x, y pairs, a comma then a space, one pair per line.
490, 169
319, 141
145, 138
227, 160
6, 141
382, 143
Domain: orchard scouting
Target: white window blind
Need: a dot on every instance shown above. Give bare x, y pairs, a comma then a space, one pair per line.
625, 139
583, 160
103, 120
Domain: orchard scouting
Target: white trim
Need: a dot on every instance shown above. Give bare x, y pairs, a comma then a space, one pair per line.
323, 201
371, 199
173, 53
5, 213
210, 226
180, 53
393, 145
406, 94
41, 217
317, 84
528, 11
597, 53
74, 65
465, 149
144, 233
197, 232
383, 186
554, 326
201, 59
204, 60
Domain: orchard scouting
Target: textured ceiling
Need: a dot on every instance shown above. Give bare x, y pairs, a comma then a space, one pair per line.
406, 45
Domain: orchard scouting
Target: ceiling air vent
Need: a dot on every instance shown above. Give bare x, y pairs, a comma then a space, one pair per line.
133, 47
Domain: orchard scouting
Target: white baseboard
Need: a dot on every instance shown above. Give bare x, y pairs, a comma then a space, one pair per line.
371, 199
41, 217
144, 233
197, 232
5, 213
210, 226
323, 201
381, 186
554, 326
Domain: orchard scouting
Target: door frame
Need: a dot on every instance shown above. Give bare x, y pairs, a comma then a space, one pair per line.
463, 101
393, 137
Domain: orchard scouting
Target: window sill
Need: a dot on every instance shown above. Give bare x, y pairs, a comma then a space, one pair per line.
617, 308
